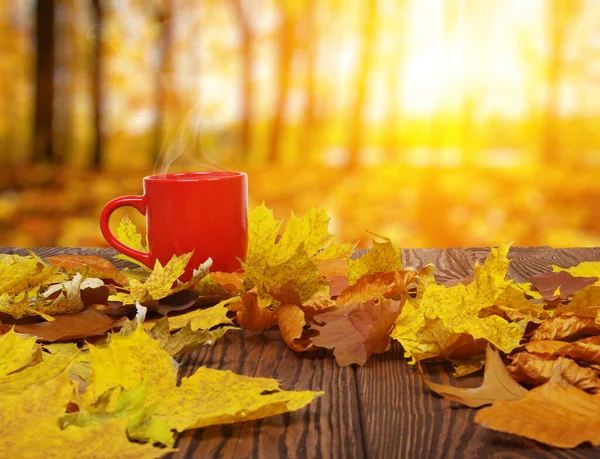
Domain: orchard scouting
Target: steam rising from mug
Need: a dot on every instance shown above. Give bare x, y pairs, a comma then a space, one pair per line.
181, 144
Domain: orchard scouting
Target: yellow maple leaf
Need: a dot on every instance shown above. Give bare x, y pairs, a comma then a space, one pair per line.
199, 319
447, 314
203, 399
298, 272
185, 339
383, 257
458, 307
583, 269
27, 273
263, 229
16, 352
585, 302
128, 234
128, 361
31, 414
206, 399
159, 283
336, 250
80, 359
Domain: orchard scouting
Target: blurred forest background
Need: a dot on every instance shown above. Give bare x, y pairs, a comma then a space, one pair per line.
434, 122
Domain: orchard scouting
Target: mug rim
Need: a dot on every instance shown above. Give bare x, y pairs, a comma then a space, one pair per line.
194, 176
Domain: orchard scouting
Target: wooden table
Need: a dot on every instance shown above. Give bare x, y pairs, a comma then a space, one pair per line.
380, 410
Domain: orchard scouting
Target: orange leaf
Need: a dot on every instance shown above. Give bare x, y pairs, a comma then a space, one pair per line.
545, 347
564, 326
497, 385
371, 286
357, 330
536, 369
67, 327
587, 350
231, 282
291, 321
89, 266
557, 415
250, 315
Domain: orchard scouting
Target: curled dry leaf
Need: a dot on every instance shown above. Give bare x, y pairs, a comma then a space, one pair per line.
554, 414
565, 326
536, 369
250, 315
291, 321
545, 346
390, 285
497, 385
88, 266
586, 350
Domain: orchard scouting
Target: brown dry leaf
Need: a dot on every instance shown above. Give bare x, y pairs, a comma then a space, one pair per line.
497, 385
291, 321
88, 266
586, 350
536, 369
250, 315
554, 414
68, 327
545, 347
357, 330
548, 284
565, 326
390, 285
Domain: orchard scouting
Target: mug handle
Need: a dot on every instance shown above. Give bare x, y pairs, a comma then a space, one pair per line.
139, 202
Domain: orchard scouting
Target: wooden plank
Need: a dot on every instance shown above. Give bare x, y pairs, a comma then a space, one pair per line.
401, 418
328, 427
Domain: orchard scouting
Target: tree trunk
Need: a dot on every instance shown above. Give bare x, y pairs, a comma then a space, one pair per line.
164, 18
44, 99
97, 67
307, 144
286, 51
246, 78
357, 120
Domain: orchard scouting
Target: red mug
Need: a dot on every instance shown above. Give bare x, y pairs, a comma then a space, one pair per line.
206, 212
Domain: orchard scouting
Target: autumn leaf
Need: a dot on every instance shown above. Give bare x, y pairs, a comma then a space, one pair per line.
205, 398
512, 303
383, 257
202, 399
199, 319
16, 352
559, 284
128, 234
291, 321
25, 274
262, 233
357, 330
71, 326
462, 368
583, 269
535, 369
298, 272
585, 350
497, 385
585, 302
445, 315
31, 413
80, 359
390, 285
88, 266
185, 339
544, 346
564, 326
554, 414
250, 315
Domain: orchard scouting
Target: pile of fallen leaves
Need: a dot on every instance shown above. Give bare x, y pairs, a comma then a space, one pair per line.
56, 313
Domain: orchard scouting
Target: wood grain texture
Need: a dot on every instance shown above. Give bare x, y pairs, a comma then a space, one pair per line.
381, 410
